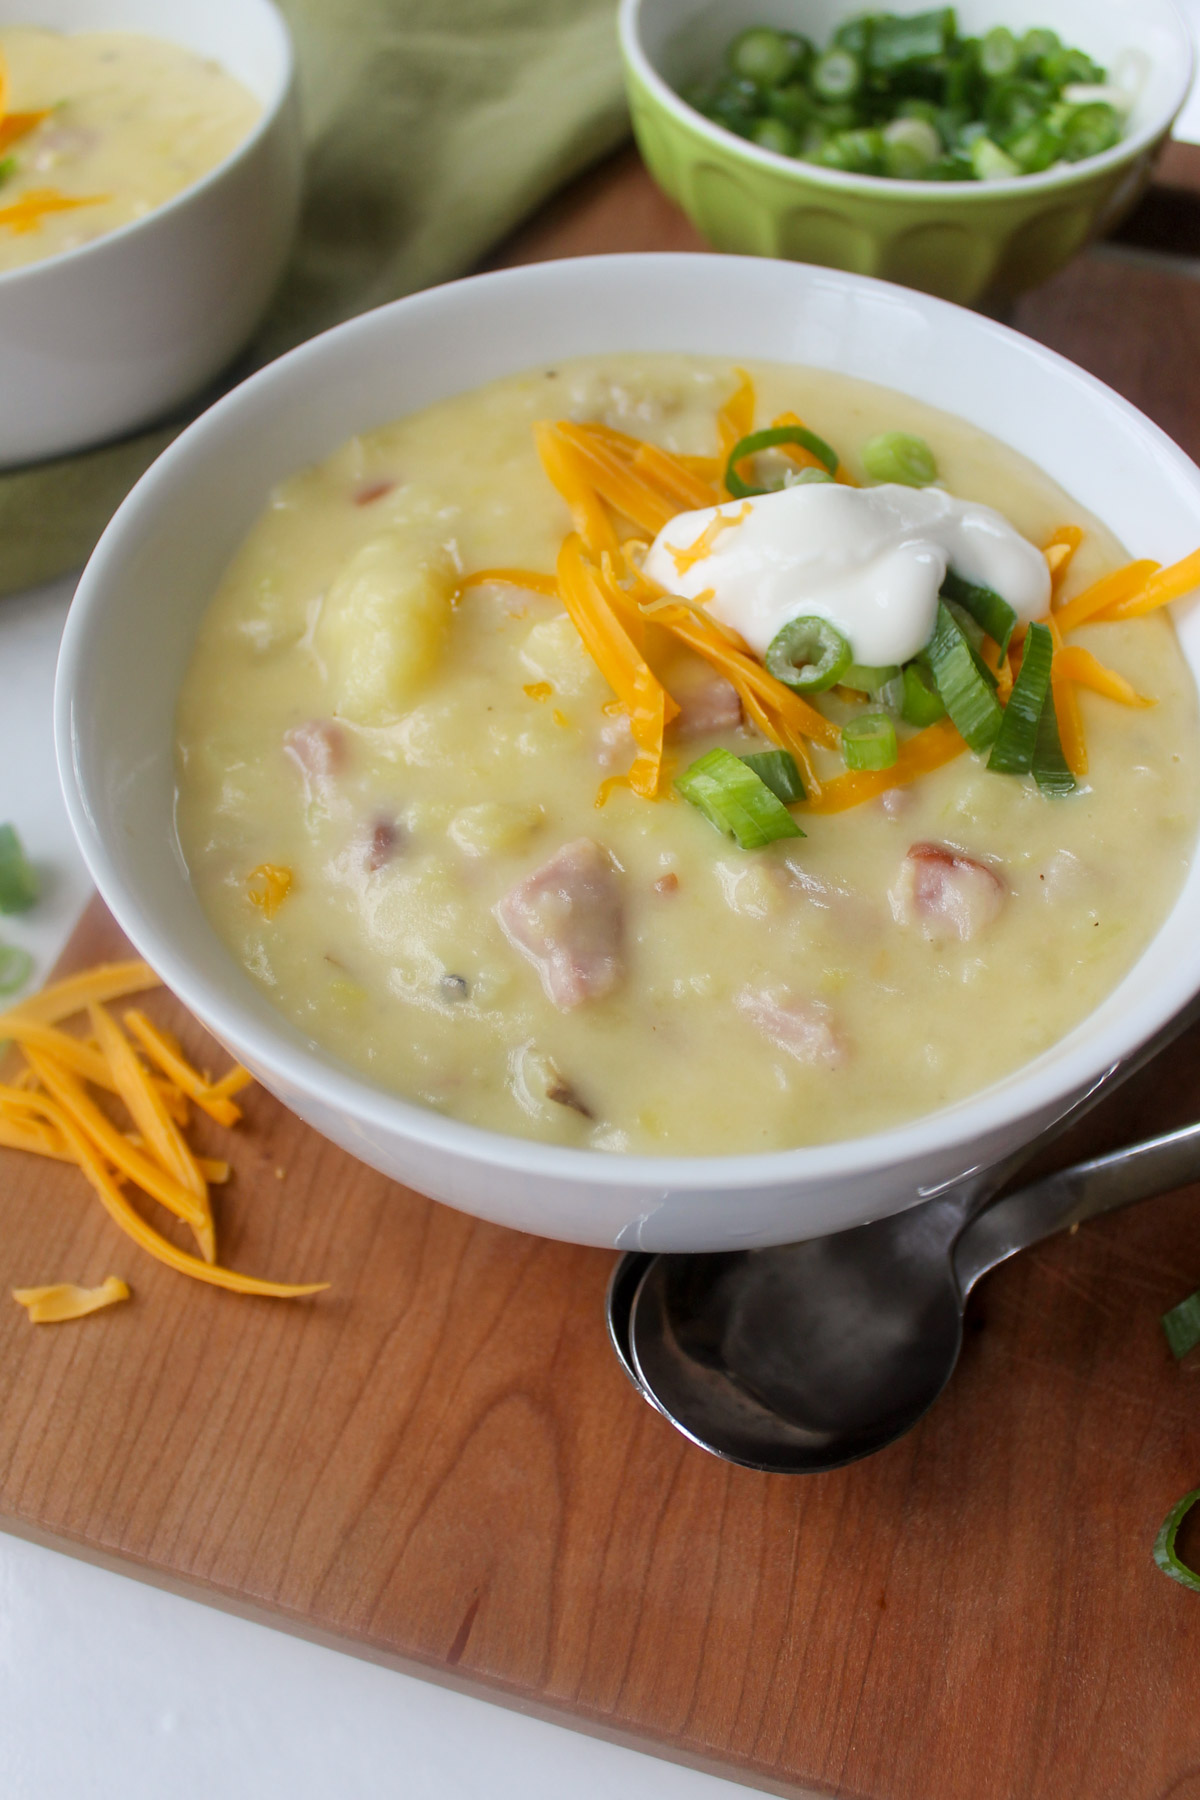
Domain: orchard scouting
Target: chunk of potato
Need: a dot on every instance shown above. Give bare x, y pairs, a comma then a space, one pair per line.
382, 627
493, 825
553, 650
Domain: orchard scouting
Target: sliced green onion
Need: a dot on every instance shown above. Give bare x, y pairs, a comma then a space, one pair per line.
985, 606
837, 75
16, 966
1089, 130
899, 39
856, 152
869, 742
901, 457
865, 679
968, 699
1012, 752
1182, 1326
771, 440
1164, 1544
18, 883
1035, 148
973, 631
736, 800
792, 104
855, 33
808, 654
999, 53
1036, 44
773, 134
778, 769
1050, 769
806, 477
990, 162
763, 56
910, 147
922, 704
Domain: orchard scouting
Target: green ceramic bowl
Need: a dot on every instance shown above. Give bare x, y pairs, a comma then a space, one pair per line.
967, 241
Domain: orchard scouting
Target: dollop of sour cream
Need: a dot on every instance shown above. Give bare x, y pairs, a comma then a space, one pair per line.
869, 560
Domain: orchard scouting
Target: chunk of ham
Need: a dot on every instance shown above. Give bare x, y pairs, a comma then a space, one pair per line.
567, 918
706, 705
800, 1027
945, 893
319, 750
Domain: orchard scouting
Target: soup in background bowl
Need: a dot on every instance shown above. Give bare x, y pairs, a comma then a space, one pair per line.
1055, 439
100, 127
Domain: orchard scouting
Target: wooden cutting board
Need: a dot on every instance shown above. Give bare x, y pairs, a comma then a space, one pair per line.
438, 1464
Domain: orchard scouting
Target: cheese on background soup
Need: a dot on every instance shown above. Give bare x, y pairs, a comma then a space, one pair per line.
98, 128
403, 804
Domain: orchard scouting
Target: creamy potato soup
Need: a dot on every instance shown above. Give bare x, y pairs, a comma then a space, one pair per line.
409, 799
98, 128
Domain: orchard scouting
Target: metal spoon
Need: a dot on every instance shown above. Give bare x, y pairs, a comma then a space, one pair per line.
805, 1357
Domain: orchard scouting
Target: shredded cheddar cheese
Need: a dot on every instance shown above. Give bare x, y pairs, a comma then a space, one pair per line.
16, 125
63, 1300
27, 213
702, 548
1076, 664
1109, 591
532, 580
46, 1110
268, 887
928, 750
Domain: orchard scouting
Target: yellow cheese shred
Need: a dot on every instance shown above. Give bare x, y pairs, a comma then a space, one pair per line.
107, 981
63, 1300
1119, 585
697, 552
26, 214
47, 1111
620, 661
267, 887
16, 125
1159, 589
212, 1098
1066, 705
1076, 664
163, 1137
532, 580
736, 418
115, 1147
928, 750
131, 1222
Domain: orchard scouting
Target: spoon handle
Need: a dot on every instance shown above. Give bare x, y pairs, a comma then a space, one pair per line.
1081, 1192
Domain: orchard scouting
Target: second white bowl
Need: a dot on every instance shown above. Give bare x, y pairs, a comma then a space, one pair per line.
102, 339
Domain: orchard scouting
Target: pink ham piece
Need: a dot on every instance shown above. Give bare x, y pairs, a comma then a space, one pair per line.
706, 705
946, 894
567, 918
803, 1028
318, 750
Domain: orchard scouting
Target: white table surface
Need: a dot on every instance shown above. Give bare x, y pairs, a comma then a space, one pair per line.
113, 1690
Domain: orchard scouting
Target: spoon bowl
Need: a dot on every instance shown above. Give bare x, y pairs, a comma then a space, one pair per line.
806, 1357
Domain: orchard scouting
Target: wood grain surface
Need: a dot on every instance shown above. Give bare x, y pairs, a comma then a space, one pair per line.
439, 1463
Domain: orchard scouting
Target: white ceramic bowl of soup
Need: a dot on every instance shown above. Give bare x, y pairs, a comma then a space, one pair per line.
113, 334
130, 634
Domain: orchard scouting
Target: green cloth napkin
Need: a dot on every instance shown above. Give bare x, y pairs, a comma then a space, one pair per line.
433, 127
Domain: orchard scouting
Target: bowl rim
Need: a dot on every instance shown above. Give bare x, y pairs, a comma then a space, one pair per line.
937, 193
276, 1046
285, 83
